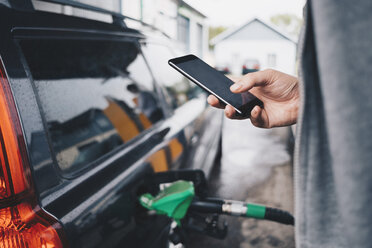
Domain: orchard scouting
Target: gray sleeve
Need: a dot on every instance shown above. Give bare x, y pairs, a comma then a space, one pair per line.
339, 104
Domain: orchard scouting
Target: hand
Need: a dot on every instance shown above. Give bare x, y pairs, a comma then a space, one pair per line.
278, 91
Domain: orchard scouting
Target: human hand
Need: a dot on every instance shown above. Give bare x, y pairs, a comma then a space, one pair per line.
278, 91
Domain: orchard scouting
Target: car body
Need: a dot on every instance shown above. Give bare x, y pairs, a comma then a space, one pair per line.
250, 65
223, 68
97, 114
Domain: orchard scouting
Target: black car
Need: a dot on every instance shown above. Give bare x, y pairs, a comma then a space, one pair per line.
250, 65
88, 110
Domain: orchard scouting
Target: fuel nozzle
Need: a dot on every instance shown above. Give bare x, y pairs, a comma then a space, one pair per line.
172, 201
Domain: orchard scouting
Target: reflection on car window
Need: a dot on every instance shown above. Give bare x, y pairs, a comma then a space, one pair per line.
95, 95
179, 89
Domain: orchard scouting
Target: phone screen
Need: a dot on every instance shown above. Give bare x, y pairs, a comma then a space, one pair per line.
214, 82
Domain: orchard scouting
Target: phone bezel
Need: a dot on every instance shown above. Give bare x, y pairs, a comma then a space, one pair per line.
243, 110
173, 63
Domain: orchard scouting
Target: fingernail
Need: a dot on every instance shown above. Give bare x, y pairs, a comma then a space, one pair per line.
235, 86
257, 109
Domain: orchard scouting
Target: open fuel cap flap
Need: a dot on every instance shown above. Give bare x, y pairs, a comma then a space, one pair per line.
173, 201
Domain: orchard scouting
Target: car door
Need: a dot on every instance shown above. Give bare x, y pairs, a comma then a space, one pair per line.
93, 127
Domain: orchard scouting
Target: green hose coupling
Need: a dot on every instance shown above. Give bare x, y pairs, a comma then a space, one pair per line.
255, 211
172, 201
243, 209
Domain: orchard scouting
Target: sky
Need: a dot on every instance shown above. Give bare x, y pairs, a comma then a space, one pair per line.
235, 12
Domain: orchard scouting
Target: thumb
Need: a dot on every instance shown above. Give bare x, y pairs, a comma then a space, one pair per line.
233, 78
259, 117
251, 80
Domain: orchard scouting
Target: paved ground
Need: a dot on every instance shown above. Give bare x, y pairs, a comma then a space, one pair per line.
255, 167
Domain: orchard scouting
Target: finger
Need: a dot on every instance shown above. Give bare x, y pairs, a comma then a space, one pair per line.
251, 80
231, 113
233, 78
259, 117
213, 101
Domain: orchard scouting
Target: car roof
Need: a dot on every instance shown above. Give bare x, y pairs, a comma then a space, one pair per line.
118, 20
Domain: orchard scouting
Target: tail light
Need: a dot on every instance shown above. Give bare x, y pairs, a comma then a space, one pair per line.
22, 222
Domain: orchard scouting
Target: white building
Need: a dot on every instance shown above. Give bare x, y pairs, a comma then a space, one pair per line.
255, 41
181, 21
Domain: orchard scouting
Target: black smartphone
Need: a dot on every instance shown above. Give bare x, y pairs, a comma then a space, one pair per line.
215, 83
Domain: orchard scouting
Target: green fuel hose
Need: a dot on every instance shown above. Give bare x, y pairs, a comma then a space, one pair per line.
243, 209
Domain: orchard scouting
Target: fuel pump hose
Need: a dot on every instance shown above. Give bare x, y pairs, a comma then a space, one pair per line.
243, 209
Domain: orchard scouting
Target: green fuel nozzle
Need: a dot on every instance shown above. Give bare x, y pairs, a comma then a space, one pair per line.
173, 201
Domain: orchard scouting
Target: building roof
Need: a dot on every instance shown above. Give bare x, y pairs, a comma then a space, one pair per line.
231, 31
187, 5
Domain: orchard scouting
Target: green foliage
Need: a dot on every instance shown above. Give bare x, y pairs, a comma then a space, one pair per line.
288, 22
214, 31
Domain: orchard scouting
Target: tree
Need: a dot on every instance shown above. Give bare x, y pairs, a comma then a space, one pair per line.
288, 22
214, 31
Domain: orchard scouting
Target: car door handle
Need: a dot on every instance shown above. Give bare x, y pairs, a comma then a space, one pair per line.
194, 138
161, 134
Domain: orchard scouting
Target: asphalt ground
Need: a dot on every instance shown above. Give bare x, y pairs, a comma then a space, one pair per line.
255, 167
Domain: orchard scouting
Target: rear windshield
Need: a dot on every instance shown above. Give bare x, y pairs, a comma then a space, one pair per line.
95, 96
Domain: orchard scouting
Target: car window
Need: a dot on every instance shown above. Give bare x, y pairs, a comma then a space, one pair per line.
179, 89
95, 96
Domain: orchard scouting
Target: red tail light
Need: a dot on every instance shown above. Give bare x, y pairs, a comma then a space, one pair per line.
22, 222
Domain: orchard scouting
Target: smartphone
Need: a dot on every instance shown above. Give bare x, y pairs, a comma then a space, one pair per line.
215, 83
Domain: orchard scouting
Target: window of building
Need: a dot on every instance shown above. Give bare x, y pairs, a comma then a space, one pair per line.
183, 28
199, 40
271, 60
95, 96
